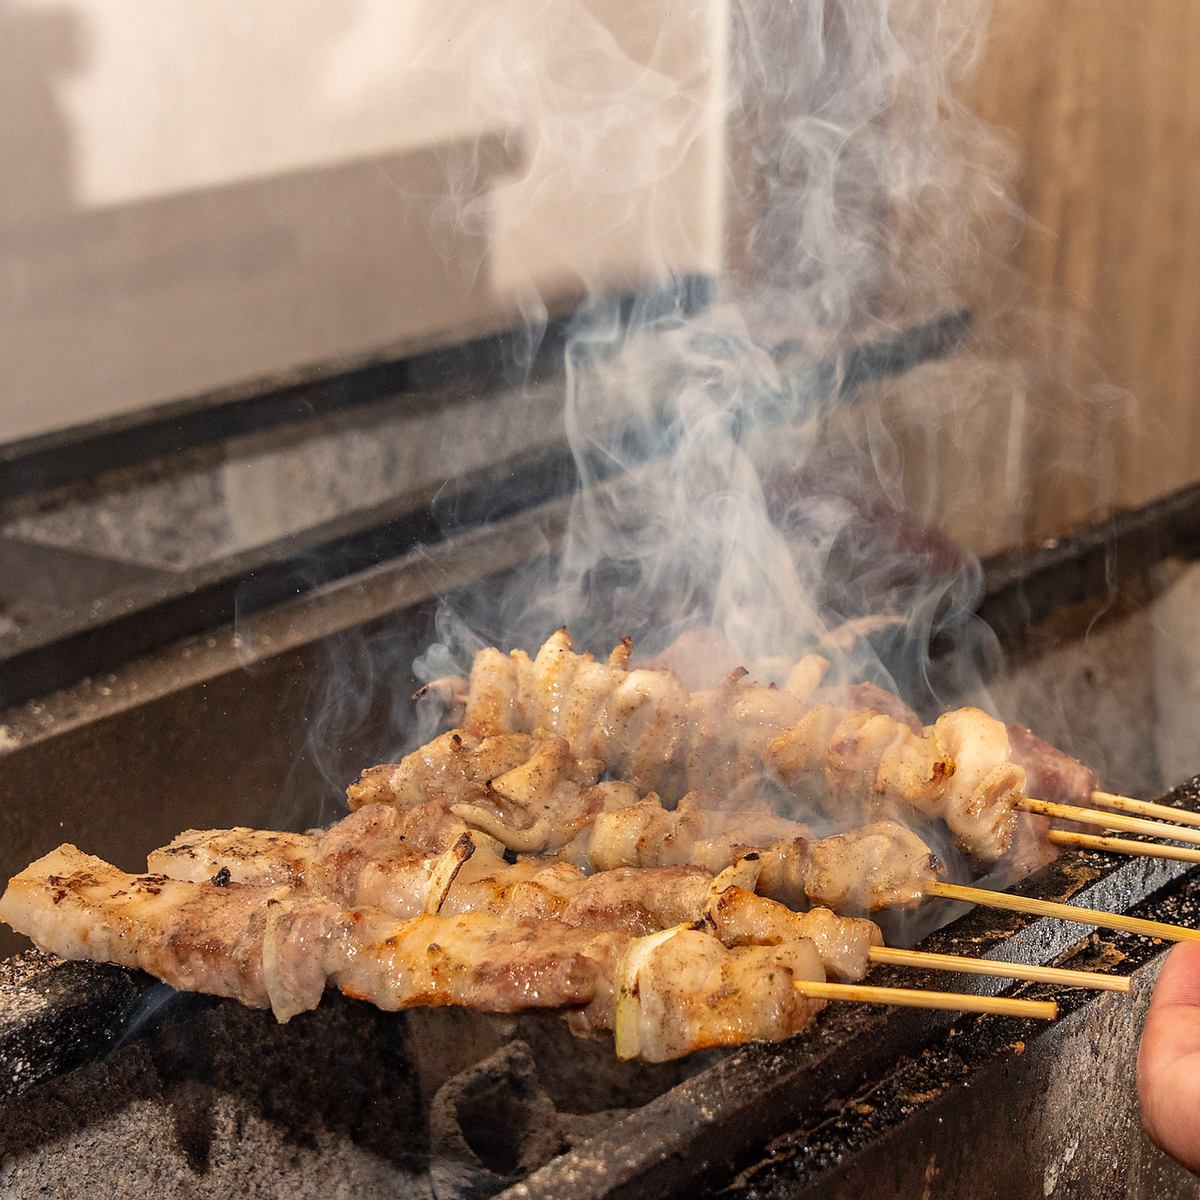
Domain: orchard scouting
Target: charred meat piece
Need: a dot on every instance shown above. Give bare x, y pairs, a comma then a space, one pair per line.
530, 791
254, 856
195, 936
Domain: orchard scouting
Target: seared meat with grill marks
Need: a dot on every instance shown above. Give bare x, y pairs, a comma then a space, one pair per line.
613, 829
852, 753
689, 992
255, 856
673, 993
606, 825
197, 937
876, 866
532, 788
364, 860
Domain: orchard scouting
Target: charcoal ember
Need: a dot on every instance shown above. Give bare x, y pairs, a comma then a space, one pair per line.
491, 1125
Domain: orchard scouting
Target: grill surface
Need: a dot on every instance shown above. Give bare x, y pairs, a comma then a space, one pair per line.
459, 1103
204, 1098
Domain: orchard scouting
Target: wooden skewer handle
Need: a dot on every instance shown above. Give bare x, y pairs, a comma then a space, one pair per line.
1045, 1010
1163, 812
1064, 912
1060, 976
1112, 845
1106, 820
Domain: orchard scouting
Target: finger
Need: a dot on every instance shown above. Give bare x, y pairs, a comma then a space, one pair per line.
1169, 1058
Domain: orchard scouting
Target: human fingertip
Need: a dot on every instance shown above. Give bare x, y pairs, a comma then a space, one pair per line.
1179, 979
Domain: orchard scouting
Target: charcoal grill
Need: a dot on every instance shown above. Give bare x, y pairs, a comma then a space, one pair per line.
109, 1081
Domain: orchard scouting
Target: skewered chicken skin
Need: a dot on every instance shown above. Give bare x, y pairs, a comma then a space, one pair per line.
849, 753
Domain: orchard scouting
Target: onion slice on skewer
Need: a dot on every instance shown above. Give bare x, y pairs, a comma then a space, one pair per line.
627, 1022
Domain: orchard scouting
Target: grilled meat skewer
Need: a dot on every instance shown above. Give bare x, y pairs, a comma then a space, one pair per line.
366, 860
673, 992
854, 753
600, 827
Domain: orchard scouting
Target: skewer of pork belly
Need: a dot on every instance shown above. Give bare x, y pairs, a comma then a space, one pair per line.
365, 859
664, 995
882, 865
257, 945
377, 866
269, 946
885, 865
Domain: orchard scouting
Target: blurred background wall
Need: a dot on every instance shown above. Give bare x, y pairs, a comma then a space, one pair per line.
1102, 101
195, 194
192, 195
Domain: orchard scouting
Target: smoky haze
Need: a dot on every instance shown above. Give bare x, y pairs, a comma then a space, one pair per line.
757, 501
746, 492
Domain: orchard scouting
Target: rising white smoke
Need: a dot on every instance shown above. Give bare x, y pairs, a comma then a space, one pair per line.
856, 198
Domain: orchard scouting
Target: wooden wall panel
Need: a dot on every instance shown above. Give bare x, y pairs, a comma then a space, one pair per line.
1102, 99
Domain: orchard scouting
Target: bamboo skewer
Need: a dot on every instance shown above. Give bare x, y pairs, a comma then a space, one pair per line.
1001, 970
1045, 1010
1064, 912
1162, 812
1093, 816
1112, 845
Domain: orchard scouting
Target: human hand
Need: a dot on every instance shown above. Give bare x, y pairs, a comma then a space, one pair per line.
1168, 1070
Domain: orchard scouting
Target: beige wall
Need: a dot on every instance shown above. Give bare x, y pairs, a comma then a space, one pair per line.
193, 194
1102, 100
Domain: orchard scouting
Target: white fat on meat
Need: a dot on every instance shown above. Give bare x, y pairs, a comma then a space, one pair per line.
528, 792
364, 861
198, 937
980, 796
882, 865
643, 724
740, 917
692, 994
278, 947
263, 857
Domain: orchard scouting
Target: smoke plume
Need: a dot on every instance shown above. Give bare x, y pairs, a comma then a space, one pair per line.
731, 479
